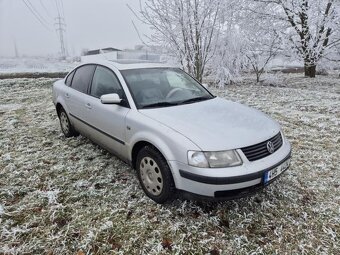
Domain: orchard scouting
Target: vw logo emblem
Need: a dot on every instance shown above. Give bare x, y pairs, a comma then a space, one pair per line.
270, 147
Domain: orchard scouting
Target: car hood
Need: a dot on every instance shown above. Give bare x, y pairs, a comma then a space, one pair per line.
216, 124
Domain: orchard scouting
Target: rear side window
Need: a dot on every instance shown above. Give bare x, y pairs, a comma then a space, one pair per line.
82, 78
69, 79
105, 82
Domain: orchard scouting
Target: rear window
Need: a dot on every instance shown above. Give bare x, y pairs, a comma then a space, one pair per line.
82, 78
69, 79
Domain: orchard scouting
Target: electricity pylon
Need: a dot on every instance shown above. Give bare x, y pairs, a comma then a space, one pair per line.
61, 29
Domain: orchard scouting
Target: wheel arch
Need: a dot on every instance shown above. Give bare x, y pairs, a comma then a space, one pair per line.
173, 146
58, 107
137, 147
61, 104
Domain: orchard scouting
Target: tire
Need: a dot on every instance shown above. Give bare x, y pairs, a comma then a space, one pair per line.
154, 175
65, 124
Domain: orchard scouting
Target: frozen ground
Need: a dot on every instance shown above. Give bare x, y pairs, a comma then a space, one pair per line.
68, 196
34, 65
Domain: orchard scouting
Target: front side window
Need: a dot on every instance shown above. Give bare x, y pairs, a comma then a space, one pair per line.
161, 87
82, 78
105, 82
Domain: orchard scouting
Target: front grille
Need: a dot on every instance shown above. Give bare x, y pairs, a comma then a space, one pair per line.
258, 151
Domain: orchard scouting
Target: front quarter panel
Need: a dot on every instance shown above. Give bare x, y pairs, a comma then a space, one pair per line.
170, 143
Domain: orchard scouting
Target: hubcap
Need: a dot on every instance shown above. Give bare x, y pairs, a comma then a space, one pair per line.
151, 176
64, 122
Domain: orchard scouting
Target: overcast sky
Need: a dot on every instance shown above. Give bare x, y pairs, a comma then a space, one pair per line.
91, 24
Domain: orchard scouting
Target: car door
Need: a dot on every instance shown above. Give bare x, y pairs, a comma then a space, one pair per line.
107, 120
77, 98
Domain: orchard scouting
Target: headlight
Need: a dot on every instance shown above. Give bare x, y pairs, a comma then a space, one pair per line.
223, 158
216, 159
197, 158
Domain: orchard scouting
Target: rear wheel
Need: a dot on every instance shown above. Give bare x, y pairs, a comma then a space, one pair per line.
154, 175
66, 125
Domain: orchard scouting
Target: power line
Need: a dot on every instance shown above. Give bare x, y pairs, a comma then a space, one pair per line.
60, 8
56, 3
36, 11
36, 16
46, 10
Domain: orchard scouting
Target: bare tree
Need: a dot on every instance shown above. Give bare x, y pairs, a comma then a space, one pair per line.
261, 40
259, 56
187, 28
313, 27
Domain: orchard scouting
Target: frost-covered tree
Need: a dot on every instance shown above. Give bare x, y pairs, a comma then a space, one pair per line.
261, 49
229, 60
189, 29
312, 27
219, 38
260, 38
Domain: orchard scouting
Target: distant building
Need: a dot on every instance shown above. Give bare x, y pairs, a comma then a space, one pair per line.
104, 53
139, 53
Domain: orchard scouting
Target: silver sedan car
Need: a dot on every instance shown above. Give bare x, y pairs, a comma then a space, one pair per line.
172, 130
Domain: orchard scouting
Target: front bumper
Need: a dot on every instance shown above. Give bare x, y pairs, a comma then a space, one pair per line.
230, 182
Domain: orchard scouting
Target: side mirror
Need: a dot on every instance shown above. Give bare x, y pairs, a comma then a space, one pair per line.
110, 99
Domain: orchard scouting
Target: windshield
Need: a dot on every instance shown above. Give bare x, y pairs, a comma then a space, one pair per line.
162, 87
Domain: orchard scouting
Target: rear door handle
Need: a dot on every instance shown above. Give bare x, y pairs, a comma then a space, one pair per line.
67, 95
88, 106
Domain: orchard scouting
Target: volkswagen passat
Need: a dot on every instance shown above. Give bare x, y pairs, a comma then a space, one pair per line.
171, 129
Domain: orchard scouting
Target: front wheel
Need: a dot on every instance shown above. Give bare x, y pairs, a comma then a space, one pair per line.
154, 175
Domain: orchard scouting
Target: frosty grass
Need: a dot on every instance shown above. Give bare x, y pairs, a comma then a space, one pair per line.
68, 196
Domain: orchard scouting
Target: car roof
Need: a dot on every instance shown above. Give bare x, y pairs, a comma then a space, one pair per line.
130, 64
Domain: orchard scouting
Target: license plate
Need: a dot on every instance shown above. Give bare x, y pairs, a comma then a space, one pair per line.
275, 172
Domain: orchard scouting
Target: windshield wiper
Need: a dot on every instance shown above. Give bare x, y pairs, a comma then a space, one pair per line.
195, 99
159, 104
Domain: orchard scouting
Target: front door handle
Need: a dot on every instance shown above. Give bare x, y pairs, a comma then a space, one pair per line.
88, 106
